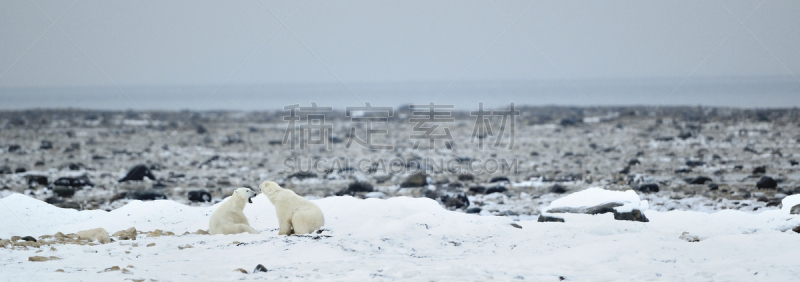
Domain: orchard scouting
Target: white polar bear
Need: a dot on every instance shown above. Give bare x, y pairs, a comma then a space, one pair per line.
229, 217
296, 215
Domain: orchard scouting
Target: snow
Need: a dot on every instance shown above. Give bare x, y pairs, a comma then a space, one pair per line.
403, 238
789, 202
594, 196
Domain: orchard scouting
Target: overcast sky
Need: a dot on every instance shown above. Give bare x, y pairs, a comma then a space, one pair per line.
213, 43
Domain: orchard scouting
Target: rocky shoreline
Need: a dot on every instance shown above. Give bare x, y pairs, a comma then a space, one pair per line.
680, 158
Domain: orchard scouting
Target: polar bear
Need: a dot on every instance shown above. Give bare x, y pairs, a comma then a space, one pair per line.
296, 215
229, 217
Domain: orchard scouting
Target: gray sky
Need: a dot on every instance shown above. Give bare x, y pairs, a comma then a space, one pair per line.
103, 43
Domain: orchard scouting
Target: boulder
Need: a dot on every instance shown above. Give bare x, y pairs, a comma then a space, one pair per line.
474, 210
558, 189
648, 188
499, 179
545, 218
759, 170
766, 182
699, 180
199, 196
795, 209
455, 201
138, 173
418, 179
356, 187
496, 189
466, 177
74, 182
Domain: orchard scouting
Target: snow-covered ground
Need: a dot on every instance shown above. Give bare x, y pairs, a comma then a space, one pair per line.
405, 238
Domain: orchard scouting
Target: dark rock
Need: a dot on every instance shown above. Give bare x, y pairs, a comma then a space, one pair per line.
796, 229
209, 160
685, 135
38, 163
496, 189
455, 201
766, 182
763, 199
75, 182
649, 188
98, 157
477, 189
5, 170
46, 145
499, 179
138, 173
634, 215
795, 209
148, 196
300, 175
199, 196
516, 225
159, 185
64, 192
275, 142
695, 163
69, 205
683, 170
13, 148
698, 180
259, 268
474, 210
713, 186
773, 203
53, 200
738, 167
759, 170
232, 139
201, 129
665, 139
793, 162
418, 179
28, 239
569, 122
355, 187
558, 189
750, 149
634, 162
20, 170
544, 218
36, 180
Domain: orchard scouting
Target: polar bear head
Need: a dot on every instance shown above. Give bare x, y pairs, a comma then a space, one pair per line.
269, 187
245, 193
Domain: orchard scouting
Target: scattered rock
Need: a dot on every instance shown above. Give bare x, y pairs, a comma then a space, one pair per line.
74, 182
499, 179
759, 170
28, 239
138, 173
466, 177
699, 180
40, 258
496, 189
148, 195
201, 232
113, 268
355, 187
796, 229
633, 215
793, 162
259, 268
20, 170
649, 188
127, 234
695, 163
36, 180
199, 196
545, 218
418, 179
477, 189
151, 244
558, 189
795, 209
64, 192
474, 210
46, 145
13, 148
187, 246
516, 225
455, 201
241, 270
766, 182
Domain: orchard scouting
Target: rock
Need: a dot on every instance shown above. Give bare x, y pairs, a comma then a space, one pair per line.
649, 188
74, 182
499, 179
356, 187
633, 162
683, 170
466, 177
64, 192
13, 148
148, 195
259, 268
300, 175
545, 218
795, 209
695, 163
713, 186
241, 270
474, 210
40, 258
36, 180
766, 182
127, 234
199, 196
796, 229
20, 170
69, 205
138, 173
28, 239
759, 170
698, 180
98, 234
187, 246
201, 232
496, 189
46, 145
633, 215
558, 189
477, 189
793, 162
516, 225
418, 179
455, 201
113, 268
6, 170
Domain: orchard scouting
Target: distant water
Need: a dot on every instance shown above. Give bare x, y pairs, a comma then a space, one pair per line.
726, 92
